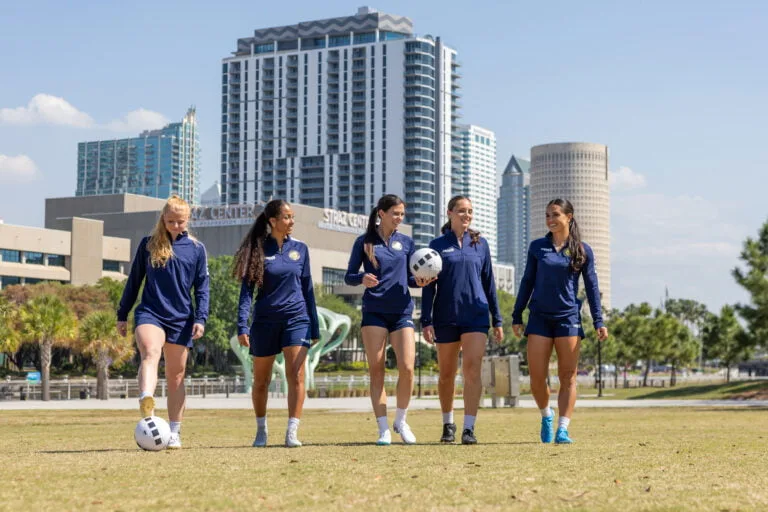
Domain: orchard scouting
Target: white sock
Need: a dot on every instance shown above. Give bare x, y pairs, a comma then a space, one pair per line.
383, 425
175, 427
144, 394
261, 423
546, 412
293, 423
563, 422
469, 422
400, 416
448, 417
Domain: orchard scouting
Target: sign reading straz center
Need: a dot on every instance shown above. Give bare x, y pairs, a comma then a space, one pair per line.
225, 215
343, 221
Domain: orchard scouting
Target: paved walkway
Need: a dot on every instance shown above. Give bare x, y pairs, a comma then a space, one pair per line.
361, 404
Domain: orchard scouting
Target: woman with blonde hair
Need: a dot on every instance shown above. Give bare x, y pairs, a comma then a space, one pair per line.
170, 263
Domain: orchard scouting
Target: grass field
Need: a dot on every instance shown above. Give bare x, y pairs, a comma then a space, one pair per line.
644, 459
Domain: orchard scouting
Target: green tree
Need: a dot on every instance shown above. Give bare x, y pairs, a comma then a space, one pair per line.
754, 279
726, 340
48, 321
680, 347
99, 339
9, 333
113, 290
637, 339
222, 316
693, 314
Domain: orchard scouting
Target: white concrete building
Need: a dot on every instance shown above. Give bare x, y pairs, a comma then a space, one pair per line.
474, 175
335, 113
576, 171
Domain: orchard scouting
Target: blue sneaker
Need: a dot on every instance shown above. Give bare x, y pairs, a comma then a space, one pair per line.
562, 436
547, 428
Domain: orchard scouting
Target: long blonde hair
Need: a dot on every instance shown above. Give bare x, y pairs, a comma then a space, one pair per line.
159, 245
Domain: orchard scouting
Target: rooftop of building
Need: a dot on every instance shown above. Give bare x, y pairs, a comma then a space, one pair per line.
367, 19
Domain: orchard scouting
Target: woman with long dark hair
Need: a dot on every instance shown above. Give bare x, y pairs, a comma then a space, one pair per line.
462, 298
384, 253
284, 316
170, 263
551, 283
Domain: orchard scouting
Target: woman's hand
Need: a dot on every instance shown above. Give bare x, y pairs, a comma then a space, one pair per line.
429, 334
602, 333
122, 329
369, 281
517, 330
424, 281
243, 340
197, 331
498, 334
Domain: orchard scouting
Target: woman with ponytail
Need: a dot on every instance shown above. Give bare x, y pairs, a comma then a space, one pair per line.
284, 315
551, 283
173, 263
383, 253
463, 297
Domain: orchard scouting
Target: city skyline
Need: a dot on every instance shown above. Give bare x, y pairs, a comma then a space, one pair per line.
681, 110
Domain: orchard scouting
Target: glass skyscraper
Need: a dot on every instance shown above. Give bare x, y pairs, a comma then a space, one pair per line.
157, 163
514, 210
335, 113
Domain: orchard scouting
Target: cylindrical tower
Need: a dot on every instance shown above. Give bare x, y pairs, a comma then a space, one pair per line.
578, 172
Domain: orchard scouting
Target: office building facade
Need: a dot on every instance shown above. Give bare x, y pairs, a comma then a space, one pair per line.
513, 215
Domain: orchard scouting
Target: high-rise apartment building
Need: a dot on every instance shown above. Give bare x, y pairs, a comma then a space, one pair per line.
334, 113
157, 163
577, 172
513, 214
474, 175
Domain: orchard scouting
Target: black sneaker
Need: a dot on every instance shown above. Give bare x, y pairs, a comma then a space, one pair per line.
468, 436
449, 433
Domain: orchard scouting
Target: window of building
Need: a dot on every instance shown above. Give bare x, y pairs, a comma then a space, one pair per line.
110, 266
332, 277
10, 256
55, 260
34, 258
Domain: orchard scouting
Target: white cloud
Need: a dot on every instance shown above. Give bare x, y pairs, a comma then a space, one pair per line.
684, 242
17, 168
138, 120
46, 109
52, 110
626, 179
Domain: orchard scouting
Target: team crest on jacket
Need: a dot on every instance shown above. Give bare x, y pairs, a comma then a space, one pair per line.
397, 246
294, 255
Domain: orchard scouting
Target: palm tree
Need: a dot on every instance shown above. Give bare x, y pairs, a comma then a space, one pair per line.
9, 334
99, 339
48, 321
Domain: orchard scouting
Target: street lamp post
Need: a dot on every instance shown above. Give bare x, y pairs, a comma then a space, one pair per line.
418, 359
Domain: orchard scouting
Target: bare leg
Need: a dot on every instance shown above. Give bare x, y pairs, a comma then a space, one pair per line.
405, 350
294, 371
539, 353
150, 339
473, 347
448, 364
375, 341
262, 375
567, 349
175, 366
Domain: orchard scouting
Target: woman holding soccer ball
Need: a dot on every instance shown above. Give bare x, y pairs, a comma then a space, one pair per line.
551, 284
455, 314
383, 253
173, 263
284, 316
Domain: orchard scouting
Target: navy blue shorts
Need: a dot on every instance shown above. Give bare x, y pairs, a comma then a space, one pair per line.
452, 333
390, 321
554, 327
269, 338
180, 334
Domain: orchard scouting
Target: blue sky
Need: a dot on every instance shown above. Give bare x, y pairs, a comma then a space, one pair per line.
677, 90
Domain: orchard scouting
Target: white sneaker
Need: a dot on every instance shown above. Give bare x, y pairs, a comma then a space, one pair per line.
385, 438
405, 433
175, 442
261, 438
291, 439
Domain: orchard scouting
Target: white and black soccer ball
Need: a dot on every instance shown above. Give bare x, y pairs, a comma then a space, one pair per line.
152, 434
426, 263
